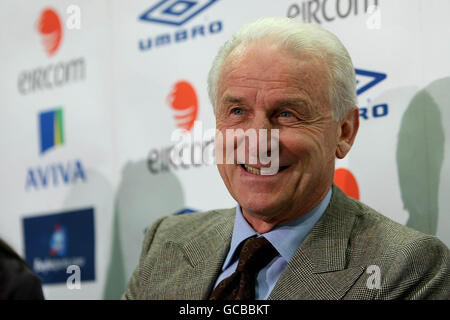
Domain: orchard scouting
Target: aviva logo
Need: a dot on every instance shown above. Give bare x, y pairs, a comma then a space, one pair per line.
62, 172
51, 129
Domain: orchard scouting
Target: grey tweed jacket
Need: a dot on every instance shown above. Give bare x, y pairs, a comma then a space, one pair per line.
352, 252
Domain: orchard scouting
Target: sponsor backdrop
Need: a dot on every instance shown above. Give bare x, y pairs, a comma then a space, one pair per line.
97, 95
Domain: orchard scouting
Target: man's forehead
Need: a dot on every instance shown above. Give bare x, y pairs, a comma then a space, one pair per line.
243, 81
274, 67
263, 50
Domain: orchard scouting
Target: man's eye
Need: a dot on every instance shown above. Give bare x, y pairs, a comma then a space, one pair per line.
237, 111
285, 114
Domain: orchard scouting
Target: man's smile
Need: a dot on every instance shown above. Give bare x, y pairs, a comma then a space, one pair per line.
262, 171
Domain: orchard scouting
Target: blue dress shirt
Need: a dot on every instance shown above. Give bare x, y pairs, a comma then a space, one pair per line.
286, 238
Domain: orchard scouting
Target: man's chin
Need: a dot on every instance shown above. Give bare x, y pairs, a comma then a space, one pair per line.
261, 209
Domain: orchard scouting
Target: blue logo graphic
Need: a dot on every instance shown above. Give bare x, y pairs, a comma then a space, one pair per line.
364, 81
184, 211
55, 175
51, 135
374, 78
58, 241
175, 12
51, 129
55, 241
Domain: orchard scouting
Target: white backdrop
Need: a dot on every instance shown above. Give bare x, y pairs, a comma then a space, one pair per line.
117, 115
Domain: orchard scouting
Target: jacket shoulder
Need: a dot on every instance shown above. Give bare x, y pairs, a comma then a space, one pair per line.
170, 230
181, 227
412, 264
383, 231
368, 227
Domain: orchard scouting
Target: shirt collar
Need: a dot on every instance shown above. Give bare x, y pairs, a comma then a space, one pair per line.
286, 238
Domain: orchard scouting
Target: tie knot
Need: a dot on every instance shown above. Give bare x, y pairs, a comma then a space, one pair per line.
255, 254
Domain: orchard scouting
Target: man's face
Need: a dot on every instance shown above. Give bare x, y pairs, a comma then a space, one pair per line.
265, 87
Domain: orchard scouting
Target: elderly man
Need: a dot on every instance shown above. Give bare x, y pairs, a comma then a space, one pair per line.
293, 234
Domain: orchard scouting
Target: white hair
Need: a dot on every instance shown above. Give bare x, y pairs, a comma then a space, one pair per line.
299, 37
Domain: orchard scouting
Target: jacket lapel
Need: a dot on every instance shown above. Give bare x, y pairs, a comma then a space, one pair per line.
318, 268
204, 255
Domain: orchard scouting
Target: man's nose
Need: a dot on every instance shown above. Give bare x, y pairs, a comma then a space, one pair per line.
261, 121
262, 125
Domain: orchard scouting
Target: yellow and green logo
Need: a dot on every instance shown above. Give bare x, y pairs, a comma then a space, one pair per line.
51, 129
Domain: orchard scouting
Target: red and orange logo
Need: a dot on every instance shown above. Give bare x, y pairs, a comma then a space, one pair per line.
345, 180
50, 28
183, 100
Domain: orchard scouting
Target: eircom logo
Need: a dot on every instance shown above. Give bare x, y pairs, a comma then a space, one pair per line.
50, 28
175, 12
183, 100
345, 180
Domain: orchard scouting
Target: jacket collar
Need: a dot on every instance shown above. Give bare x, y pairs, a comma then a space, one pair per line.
318, 269
215, 239
204, 254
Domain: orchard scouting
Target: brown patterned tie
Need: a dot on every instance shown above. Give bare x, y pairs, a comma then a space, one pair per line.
255, 254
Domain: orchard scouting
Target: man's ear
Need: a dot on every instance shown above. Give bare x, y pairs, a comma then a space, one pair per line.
347, 129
